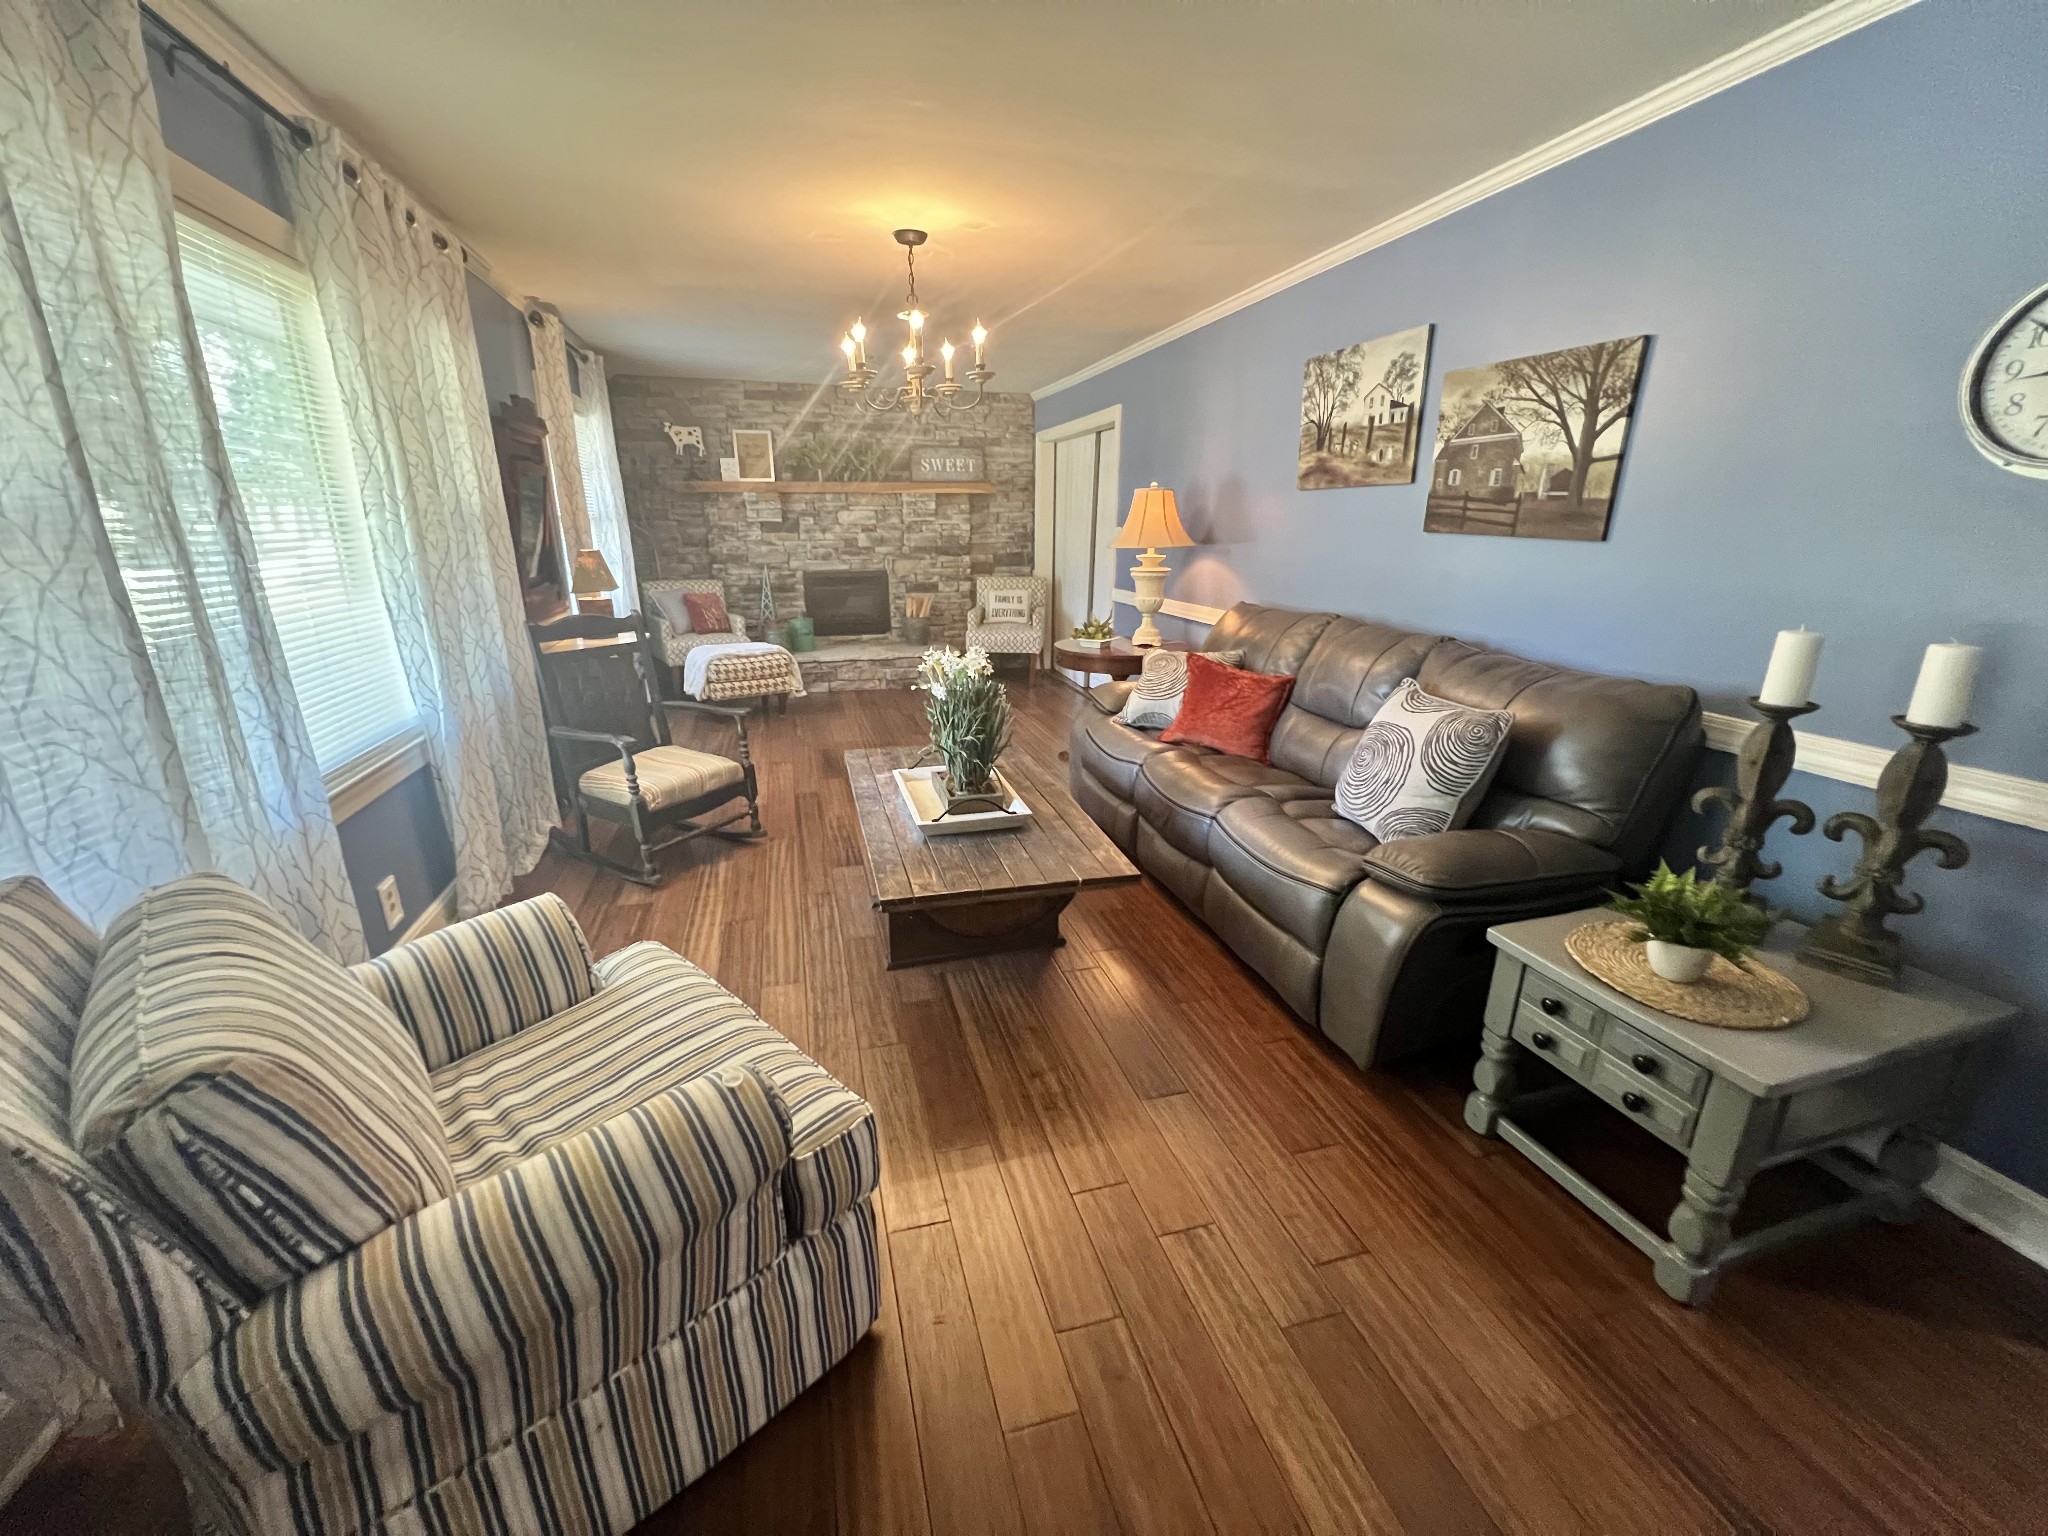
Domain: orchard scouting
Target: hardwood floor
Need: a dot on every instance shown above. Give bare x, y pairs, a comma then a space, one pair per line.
1157, 1260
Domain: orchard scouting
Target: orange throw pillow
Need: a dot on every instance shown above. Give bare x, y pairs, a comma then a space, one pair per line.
1229, 708
707, 613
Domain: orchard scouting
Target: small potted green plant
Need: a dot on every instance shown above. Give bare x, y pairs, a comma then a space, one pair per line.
1683, 924
1095, 634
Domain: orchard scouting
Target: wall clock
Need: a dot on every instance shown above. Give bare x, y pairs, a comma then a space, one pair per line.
2005, 389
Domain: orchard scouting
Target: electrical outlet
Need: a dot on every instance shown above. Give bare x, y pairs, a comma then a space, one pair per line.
393, 903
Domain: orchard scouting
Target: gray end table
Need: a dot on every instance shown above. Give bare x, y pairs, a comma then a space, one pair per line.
1867, 1084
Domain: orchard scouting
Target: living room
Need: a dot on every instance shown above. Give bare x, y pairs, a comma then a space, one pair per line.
791, 769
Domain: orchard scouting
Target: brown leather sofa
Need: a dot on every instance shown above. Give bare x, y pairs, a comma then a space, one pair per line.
1382, 945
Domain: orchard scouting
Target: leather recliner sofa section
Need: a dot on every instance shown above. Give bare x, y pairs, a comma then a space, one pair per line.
1382, 945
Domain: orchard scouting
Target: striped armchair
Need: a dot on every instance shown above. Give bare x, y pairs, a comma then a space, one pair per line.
1010, 637
479, 1237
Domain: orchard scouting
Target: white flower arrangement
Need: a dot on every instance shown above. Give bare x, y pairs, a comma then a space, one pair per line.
969, 714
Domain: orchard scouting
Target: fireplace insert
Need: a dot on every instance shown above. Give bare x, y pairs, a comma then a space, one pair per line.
847, 602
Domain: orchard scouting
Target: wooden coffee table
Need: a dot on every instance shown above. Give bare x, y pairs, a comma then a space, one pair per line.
1119, 659
977, 893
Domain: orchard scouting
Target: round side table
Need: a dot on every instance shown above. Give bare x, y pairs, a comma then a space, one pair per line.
1118, 659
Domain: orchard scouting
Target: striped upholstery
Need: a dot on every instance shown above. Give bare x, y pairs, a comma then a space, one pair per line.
485, 979
257, 1098
105, 1282
656, 1020
557, 1347
666, 775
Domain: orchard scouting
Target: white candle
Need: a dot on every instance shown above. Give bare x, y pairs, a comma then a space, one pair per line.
946, 351
1789, 679
1942, 695
860, 343
980, 338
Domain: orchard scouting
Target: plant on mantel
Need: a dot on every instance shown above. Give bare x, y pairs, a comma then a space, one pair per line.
855, 457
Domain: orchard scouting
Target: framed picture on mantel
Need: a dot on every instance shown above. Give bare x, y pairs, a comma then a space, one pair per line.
754, 447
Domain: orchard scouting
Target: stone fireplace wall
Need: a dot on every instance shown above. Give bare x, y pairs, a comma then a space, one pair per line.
929, 540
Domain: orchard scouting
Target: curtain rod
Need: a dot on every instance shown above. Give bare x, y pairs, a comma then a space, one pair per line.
300, 134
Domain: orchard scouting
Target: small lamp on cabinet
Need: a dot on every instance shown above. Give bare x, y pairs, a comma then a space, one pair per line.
1153, 525
591, 579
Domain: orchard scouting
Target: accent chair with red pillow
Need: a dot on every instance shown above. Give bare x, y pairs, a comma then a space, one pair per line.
1229, 709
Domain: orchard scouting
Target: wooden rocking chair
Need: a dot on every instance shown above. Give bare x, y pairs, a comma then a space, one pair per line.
608, 741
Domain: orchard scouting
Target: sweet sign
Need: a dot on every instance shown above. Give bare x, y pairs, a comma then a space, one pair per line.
945, 464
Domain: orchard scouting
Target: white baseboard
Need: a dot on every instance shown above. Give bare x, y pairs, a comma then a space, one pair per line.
440, 913
1992, 1203
29, 1455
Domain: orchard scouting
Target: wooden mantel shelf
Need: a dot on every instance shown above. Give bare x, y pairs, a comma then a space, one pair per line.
843, 487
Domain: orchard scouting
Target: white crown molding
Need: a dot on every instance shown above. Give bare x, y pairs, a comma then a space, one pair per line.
1995, 1205
1811, 31
1978, 791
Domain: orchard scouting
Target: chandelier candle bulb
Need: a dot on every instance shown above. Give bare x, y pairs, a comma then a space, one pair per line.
1794, 659
980, 339
946, 352
1941, 697
860, 344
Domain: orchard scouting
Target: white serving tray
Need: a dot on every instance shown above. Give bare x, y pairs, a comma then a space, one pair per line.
925, 804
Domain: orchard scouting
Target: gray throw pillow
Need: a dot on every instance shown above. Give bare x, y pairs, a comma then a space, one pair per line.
1422, 766
672, 608
1154, 701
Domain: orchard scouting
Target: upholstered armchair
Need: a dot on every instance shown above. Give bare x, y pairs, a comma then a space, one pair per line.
1001, 635
672, 641
480, 1236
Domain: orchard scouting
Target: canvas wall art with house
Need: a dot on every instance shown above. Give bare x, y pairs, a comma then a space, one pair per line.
1361, 412
1531, 448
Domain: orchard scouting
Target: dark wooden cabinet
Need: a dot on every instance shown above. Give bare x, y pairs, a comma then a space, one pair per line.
522, 442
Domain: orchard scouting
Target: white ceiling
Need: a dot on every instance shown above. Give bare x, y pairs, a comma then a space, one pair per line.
708, 188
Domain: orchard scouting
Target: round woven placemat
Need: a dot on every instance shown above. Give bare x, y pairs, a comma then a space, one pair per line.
1751, 996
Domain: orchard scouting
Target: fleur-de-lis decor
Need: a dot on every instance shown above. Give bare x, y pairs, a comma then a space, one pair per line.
1761, 768
1855, 942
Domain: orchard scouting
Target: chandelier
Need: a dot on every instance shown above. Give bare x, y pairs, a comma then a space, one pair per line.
914, 395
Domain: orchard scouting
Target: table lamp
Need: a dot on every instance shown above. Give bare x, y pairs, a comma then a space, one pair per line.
590, 578
1153, 525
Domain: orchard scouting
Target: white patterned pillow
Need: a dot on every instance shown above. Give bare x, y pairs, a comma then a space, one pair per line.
1007, 605
1154, 701
1423, 765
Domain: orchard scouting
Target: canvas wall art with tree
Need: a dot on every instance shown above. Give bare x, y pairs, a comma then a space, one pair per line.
1531, 448
1361, 413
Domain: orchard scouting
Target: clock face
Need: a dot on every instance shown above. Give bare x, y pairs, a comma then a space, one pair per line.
2005, 390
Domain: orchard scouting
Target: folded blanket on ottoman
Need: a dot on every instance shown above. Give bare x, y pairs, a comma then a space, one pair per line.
744, 670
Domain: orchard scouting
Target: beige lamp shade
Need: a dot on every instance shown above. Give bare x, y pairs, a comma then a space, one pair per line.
589, 575
1154, 522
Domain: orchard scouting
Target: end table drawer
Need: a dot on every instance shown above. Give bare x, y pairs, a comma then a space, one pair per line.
1556, 1042
1543, 998
1617, 1083
1679, 1075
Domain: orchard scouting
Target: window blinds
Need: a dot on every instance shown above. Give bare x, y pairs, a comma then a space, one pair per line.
281, 418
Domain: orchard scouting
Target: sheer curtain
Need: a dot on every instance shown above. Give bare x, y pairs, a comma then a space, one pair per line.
147, 722
395, 307
557, 406
604, 493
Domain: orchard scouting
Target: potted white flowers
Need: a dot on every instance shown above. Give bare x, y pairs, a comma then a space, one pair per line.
969, 715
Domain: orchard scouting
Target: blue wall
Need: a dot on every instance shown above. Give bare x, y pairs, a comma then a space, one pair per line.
1815, 254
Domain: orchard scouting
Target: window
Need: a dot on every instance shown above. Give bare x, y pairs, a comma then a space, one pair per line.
280, 414
1493, 477
1457, 477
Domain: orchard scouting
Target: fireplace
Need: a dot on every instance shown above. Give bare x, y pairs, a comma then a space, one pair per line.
847, 602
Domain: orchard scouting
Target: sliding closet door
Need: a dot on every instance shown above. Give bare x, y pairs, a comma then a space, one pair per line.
1084, 473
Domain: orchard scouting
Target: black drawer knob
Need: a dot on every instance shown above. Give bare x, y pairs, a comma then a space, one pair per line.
1543, 1039
1552, 1006
1644, 1063
1634, 1102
